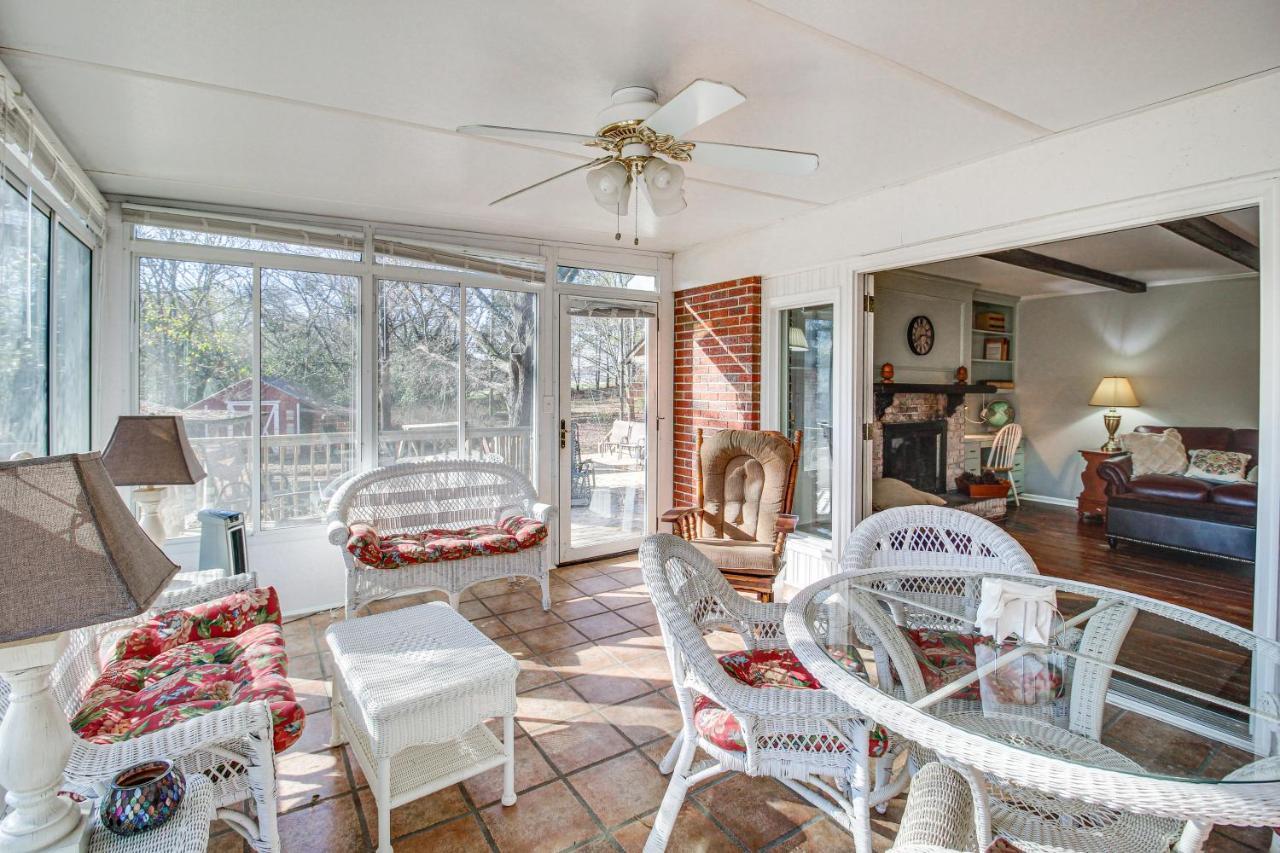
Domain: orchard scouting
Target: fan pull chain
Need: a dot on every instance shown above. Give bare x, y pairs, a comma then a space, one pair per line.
636, 189
617, 210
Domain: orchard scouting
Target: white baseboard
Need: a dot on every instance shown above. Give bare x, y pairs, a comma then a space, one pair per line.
1047, 499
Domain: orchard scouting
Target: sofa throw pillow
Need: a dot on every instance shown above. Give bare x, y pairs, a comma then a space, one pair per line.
1218, 466
1156, 453
887, 493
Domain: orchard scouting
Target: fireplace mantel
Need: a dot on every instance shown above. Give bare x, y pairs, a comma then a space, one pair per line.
885, 391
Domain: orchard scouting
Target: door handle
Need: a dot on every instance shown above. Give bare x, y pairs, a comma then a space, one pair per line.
564, 435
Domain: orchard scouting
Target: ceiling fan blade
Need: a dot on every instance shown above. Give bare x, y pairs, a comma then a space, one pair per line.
524, 134
587, 165
776, 160
695, 104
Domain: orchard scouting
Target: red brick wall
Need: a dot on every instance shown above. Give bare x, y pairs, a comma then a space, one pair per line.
717, 368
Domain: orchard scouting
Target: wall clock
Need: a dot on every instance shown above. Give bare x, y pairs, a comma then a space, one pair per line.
920, 335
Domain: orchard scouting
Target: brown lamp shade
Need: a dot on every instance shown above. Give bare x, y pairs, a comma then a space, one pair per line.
151, 450
71, 553
1114, 391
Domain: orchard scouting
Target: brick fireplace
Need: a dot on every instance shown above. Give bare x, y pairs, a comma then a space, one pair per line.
921, 409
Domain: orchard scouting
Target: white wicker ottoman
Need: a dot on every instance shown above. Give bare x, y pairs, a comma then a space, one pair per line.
412, 689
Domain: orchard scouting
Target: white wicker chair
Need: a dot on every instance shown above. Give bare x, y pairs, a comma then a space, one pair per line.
939, 814
692, 597
413, 496
231, 747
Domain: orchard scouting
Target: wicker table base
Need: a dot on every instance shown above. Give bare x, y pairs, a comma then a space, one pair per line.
412, 690
186, 832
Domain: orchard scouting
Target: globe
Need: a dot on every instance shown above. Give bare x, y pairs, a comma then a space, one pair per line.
998, 413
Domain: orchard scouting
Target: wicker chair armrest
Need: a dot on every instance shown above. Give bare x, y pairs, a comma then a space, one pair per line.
1116, 474
776, 702
683, 520
338, 531
204, 592
546, 513
92, 763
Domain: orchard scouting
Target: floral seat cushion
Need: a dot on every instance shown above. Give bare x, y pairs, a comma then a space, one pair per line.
512, 534
187, 663
775, 668
944, 656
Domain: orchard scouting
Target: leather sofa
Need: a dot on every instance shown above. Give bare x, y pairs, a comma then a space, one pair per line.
1217, 519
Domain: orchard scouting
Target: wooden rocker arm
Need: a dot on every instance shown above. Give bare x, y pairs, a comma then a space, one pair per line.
683, 521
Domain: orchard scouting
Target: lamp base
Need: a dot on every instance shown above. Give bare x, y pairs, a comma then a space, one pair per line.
1111, 420
35, 743
147, 499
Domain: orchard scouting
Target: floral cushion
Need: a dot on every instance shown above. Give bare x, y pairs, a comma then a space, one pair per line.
944, 656
774, 668
187, 663
514, 533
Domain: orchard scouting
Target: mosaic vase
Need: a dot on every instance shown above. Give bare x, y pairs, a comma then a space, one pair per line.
142, 798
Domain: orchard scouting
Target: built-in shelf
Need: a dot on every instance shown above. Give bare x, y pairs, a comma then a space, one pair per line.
993, 360
987, 369
985, 333
884, 393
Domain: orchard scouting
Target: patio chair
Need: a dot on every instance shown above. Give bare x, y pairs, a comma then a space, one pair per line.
756, 712
745, 482
232, 746
582, 472
622, 439
440, 525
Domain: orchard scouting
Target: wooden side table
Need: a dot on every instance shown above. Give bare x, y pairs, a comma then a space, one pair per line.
1092, 502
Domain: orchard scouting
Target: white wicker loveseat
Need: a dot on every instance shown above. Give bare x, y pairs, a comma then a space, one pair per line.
411, 497
232, 747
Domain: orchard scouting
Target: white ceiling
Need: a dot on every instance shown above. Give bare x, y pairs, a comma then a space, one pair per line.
333, 107
1151, 254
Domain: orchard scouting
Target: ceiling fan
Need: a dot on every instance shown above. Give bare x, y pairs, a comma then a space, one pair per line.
643, 144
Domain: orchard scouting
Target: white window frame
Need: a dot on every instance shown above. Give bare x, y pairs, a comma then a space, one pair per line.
123, 398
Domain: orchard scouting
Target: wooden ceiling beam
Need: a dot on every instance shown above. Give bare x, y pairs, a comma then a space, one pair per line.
1205, 232
1065, 269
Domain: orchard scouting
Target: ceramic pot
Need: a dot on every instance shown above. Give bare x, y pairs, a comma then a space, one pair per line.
142, 798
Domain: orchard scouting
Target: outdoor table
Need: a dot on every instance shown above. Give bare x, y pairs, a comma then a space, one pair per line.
1036, 728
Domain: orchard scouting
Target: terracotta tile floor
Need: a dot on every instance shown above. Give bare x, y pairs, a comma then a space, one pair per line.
595, 715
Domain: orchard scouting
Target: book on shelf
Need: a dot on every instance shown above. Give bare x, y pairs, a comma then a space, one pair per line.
990, 321
992, 349
1002, 384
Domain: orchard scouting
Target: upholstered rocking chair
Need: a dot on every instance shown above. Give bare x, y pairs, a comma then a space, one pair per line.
745, 481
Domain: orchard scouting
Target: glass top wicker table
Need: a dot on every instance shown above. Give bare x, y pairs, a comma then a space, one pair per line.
1136, 725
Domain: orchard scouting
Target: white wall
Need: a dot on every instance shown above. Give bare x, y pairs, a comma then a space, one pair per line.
1191, 351
1223, 134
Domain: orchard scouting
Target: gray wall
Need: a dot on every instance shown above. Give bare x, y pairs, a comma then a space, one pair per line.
902, 295
1191, 351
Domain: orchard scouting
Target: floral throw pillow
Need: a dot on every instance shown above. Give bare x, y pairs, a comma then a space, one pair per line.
1218, 466
1156, 453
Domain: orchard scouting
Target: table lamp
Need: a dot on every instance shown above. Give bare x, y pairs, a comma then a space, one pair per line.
1113, 391
151, 452
72, 555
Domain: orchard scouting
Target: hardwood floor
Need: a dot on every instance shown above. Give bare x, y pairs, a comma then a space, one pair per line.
1062, 546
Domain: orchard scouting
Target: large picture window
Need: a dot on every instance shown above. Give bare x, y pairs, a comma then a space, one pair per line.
806, 356
263, 360
45, 277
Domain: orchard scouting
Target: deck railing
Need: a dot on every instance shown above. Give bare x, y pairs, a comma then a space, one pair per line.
301, 472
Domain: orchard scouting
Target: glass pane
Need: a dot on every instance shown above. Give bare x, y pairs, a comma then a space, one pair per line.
71, 316
604, 278
24, 325
308, 392
235, 241
418, 379
500, 381
608, 388
195, 359
806, 405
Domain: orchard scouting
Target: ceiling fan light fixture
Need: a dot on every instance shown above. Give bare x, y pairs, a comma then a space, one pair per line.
610, 186
664, 187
